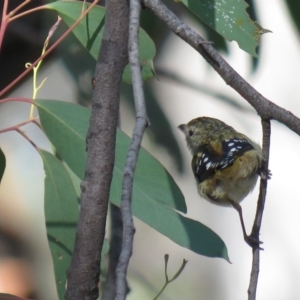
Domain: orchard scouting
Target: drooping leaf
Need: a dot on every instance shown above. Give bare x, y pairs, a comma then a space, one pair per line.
230, 19
89, 32
155, 193
183, 231
2, 164
61, 214
66, 126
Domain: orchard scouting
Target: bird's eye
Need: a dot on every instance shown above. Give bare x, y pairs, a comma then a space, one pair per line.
191, 132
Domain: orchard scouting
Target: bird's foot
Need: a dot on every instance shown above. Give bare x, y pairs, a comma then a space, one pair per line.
253, 242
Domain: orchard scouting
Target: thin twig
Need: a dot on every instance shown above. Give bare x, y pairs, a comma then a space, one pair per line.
27, 12
115, 248
4, 22
265, 108
27, 138
36, 87
4, 10
167, 280
140, 126
16, 99
14, 11
266, 128
15, 127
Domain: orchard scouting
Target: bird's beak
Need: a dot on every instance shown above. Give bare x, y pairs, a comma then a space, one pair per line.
182, 127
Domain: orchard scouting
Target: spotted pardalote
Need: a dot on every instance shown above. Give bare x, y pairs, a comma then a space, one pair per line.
225, 163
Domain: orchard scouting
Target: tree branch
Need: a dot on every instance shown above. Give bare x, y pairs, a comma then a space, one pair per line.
109, 291
265, 108
266, 127
83, 273
140, 125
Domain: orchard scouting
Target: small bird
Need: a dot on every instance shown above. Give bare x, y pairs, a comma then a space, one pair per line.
226, 164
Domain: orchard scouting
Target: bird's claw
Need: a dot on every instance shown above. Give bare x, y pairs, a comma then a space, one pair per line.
253, 242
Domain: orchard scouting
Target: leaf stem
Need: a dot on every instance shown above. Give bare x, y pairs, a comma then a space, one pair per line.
17, 126
167, 280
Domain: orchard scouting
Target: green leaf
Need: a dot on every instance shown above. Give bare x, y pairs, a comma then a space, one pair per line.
2, 164
154, 193
183, 231
230, 19
188, 233
66, 126
90, 31
152, 182
61, 214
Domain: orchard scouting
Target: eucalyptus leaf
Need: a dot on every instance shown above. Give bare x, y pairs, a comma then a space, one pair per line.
183, 231
61, 214
89, 32
66, 125
155, 193
230, 19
